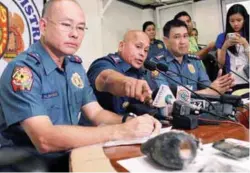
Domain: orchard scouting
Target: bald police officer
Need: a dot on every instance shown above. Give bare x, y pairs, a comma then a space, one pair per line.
43, 90
119, 77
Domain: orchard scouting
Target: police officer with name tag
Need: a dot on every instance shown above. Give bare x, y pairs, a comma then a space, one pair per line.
44, 88
177, 59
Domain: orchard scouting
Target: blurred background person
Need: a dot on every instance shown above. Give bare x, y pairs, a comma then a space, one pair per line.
193, 45
156, 46
233, 44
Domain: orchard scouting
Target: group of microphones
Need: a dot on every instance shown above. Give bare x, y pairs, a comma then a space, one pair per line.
188, 109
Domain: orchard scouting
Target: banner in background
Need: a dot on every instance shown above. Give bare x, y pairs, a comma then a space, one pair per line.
19, 25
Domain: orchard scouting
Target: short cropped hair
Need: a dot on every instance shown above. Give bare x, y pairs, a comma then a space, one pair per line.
146, 24
180, 14
173, 24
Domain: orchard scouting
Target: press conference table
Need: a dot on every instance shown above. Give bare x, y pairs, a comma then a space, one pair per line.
207, 134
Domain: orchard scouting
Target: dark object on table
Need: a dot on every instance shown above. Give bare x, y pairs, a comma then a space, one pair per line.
173, 150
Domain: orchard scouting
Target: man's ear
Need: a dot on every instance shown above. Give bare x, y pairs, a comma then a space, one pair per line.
166, 41
42, 25
121, 45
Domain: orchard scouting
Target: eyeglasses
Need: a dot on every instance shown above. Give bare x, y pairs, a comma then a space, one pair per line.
67, 26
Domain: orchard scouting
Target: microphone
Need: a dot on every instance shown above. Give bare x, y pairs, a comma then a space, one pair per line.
234, 100
228, 99
163, 67
140, 109
221, 107
150, 65
153, 66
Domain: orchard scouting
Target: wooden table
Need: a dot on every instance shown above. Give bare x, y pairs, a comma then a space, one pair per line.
207, 134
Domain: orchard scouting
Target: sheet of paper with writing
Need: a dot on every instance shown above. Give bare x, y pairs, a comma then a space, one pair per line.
134, 141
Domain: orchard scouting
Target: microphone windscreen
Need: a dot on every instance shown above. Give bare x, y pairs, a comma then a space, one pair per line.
150, 65
162, 67
155, 93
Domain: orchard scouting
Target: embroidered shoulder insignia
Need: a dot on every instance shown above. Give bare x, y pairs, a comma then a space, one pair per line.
159, 57
193, 56
35, 56
115, 59
22, 79
75, 58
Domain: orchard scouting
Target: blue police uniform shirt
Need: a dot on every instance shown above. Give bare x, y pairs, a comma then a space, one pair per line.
116, 63
190, 67
155, 48
32, 85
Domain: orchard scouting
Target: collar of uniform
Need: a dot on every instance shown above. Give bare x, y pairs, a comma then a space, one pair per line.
155, 41
185, 58
123, 64
170, 57
48, 63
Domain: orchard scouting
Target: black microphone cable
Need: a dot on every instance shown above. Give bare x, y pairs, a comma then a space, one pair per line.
150, 65
153, 66
223, 67
164, 67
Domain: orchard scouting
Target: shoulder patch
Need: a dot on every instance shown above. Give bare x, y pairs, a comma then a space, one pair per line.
116, 59
75, 58
35, 56
21, 79
193, 56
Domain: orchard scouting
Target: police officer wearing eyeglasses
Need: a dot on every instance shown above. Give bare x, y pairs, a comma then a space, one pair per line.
44, 88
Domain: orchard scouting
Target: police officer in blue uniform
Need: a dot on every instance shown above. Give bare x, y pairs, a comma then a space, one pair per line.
177, 60
118, 78
44, 89
156, 46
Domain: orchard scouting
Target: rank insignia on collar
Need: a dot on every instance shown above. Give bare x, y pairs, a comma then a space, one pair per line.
159, 57
191, 68
22, 79
154, 73
159, 46
77, 80
116, 59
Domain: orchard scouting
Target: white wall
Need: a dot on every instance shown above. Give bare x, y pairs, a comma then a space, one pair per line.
208, 18
168, 14
206, 15
91, 47
105, 32
118, 19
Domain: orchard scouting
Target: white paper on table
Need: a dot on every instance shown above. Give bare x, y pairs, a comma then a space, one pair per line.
207, 156
134, 141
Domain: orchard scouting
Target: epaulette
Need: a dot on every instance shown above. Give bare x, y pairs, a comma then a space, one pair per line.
116, 59
75, 59
34, 56
193, 56
160, 56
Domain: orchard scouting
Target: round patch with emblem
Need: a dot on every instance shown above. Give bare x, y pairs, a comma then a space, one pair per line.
22, 79
77, 80
191, 68
154, 73
160, 46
